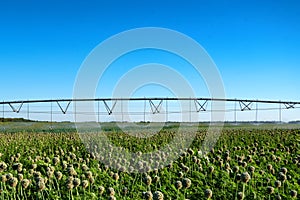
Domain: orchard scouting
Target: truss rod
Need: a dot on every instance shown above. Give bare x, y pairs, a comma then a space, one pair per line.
200, 107
109, 110
154, 108
245, 106
63, 110
17, 110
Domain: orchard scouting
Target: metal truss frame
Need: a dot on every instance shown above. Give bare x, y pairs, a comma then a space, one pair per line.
200, 104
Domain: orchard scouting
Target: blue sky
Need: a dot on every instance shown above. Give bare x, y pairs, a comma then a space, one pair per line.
255, 44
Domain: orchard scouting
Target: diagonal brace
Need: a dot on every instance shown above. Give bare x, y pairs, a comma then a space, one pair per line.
201, 106
289, 105
64, 111
245, 105
109, 110
17, 110
154, 108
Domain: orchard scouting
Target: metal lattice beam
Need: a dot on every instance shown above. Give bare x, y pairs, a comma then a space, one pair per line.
154, 103
200, 103
152, 99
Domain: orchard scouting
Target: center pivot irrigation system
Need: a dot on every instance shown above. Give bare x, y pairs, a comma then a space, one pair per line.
148, 106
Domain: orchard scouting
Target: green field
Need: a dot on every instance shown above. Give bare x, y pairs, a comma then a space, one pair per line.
49, 161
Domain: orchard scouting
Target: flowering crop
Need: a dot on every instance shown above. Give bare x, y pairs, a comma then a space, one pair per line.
244, 164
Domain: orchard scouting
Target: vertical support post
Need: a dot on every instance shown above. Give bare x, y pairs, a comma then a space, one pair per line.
75, 113
279, 112
28, 111
166, 111
256, 114
145, 110
122, 116
190, 109
235, 111
98, 111
3, 110
211, 111
51, 115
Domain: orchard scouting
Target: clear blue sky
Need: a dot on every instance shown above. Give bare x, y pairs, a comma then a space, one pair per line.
255, 44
